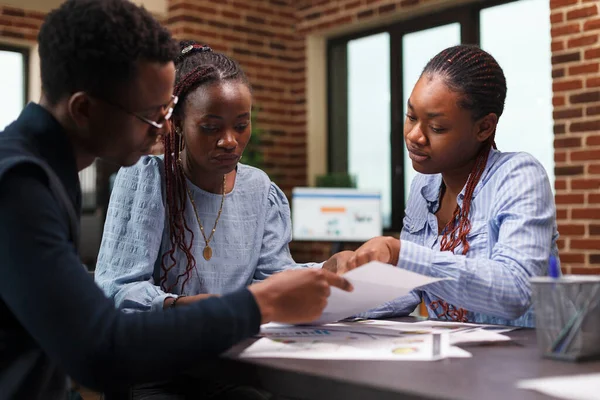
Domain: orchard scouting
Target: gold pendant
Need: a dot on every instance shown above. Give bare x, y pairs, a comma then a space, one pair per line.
207, 253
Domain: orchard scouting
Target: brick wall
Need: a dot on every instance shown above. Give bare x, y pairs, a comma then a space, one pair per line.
261, 35
268, 38
19, 24
576, 86
319, 15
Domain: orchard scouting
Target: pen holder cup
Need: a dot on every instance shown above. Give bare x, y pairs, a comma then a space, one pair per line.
567, 313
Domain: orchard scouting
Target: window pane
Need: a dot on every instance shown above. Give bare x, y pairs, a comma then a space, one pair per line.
524, 53
369, 155
12, 86
417, 49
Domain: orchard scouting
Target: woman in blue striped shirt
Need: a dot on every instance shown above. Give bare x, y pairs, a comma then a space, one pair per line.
484, 218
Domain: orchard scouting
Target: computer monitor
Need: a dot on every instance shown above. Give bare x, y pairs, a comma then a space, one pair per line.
340, 215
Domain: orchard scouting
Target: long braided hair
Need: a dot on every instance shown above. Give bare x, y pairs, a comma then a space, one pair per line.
480, 81
197, 65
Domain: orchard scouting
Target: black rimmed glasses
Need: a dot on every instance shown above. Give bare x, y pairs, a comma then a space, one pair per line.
166, 112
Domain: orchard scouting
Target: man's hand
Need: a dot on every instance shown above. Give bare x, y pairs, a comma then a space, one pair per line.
384, 248
296, 296
337, 262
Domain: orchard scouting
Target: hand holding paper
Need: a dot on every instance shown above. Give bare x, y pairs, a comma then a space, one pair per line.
374, 284
384, 249
296, 296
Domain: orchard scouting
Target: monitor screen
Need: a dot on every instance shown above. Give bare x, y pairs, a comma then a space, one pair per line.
350, 215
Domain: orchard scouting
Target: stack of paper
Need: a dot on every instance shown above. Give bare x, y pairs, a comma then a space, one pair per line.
461, 326
324, 344
345, 341
459, 332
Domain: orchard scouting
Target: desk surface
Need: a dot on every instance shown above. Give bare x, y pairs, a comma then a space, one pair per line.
491, 373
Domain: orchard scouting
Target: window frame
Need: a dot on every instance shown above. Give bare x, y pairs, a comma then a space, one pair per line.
467, 15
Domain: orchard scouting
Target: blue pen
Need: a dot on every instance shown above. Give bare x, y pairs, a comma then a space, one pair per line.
553, 271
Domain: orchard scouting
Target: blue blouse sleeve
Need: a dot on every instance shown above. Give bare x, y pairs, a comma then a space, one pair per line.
132, 238
275, 251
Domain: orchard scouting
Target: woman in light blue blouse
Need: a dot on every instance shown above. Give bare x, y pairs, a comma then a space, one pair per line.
196, 222
484, 218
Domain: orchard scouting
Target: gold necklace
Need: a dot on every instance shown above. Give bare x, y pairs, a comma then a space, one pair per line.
207, 253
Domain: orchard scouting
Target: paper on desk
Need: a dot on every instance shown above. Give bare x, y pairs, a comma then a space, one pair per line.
436, 324
465, 325
352, 341
460, 333
477, 336
321, 344
374, 284
366, 327
429, 326
576, 387
457, 352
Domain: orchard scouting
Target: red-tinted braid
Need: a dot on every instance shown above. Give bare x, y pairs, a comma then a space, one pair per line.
176, 200
176, 189
457, 229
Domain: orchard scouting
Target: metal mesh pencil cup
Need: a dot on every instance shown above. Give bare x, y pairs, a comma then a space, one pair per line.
567, 314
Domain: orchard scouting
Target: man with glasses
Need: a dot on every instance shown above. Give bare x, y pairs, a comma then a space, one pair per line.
164, 113
107, 84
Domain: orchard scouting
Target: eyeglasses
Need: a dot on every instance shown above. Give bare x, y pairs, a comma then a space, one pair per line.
167, 112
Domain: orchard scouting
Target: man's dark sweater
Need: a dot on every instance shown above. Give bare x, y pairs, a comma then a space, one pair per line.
54, 320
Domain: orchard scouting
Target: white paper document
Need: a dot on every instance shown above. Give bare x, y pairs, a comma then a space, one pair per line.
374, 284
370, 340
477, 336
322, 344
576, 387
459, 332
455, 326
355, 341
